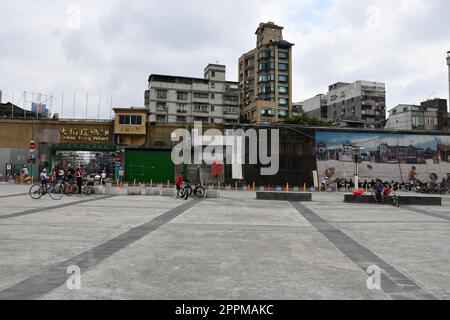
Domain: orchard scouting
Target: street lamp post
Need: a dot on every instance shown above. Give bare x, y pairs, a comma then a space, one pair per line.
356, 158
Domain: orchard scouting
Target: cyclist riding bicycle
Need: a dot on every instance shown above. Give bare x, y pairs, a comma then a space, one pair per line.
44, 179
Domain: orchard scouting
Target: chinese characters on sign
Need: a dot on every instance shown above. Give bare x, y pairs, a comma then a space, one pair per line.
89, 135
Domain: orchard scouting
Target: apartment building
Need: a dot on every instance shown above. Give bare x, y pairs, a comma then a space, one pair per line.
185, 100
430, 115
360, 104
265, 77
316, 107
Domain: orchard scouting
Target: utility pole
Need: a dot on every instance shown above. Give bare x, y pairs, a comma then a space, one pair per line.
87, 99
448, 64
62, 105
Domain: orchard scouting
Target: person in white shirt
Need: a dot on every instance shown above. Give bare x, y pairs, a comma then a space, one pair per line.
44, 179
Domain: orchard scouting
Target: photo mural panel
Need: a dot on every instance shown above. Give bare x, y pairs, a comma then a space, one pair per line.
385, 156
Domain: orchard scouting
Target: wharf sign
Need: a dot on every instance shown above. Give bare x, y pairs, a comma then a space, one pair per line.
82, 134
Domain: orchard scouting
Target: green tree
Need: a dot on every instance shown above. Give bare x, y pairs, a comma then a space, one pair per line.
308, 121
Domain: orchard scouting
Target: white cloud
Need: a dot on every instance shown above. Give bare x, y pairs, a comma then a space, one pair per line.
117, 44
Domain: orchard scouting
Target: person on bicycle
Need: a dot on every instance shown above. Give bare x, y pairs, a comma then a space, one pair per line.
44, 179
178, 184
24, 174
70, 174
79, 176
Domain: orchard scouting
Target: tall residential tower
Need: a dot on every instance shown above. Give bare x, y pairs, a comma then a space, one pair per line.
265, 77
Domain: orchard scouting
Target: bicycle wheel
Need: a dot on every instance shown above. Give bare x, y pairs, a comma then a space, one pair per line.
200, 192
181, 193
55, 192
35, 191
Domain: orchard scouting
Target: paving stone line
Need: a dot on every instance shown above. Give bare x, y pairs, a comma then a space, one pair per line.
13, 195
394, 283
65, 205
427, 213
41, 284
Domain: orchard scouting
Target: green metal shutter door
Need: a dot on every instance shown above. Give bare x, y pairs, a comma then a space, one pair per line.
146, 166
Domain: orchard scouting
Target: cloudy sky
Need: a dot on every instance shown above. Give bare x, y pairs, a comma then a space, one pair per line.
110, 47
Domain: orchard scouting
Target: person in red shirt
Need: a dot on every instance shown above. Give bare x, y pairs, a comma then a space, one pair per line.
178, 184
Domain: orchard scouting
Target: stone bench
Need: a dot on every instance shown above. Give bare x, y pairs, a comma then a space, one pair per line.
404, 200
170, 192
134, 191
152, 191
284, 196
212, 194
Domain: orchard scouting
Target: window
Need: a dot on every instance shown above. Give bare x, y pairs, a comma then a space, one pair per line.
213, 85
282, 113
161, 94
201, 108
283, 89
213, 74
147, 97
160, 118
267, 77
201, 95
212, 108
283, 55
212, 96
283, 66
263, 54
282, 101
202, 119
230, 110
161, 106
182, 95
181, 107
136, 120
124, 119
282, 78
181, 119
268, 112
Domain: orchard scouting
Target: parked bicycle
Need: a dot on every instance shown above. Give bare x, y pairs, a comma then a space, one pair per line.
187, 190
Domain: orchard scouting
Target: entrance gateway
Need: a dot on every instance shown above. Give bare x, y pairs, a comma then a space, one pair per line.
83, 144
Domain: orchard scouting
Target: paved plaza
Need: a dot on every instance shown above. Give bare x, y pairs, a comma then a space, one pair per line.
234, 247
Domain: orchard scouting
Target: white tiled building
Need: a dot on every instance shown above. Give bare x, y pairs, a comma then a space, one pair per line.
184, 100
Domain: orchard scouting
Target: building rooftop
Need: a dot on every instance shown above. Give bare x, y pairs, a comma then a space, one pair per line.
269, 24
179, 79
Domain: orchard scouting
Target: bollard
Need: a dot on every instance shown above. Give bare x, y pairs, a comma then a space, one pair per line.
304, 187
235, 186
254, 189
287, 187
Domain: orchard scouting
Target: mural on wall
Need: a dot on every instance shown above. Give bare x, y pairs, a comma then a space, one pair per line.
389, 157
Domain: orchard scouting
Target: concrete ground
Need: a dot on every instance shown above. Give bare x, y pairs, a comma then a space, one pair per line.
234, 247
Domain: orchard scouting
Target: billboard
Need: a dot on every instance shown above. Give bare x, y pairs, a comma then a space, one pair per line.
385, 156
38, 107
